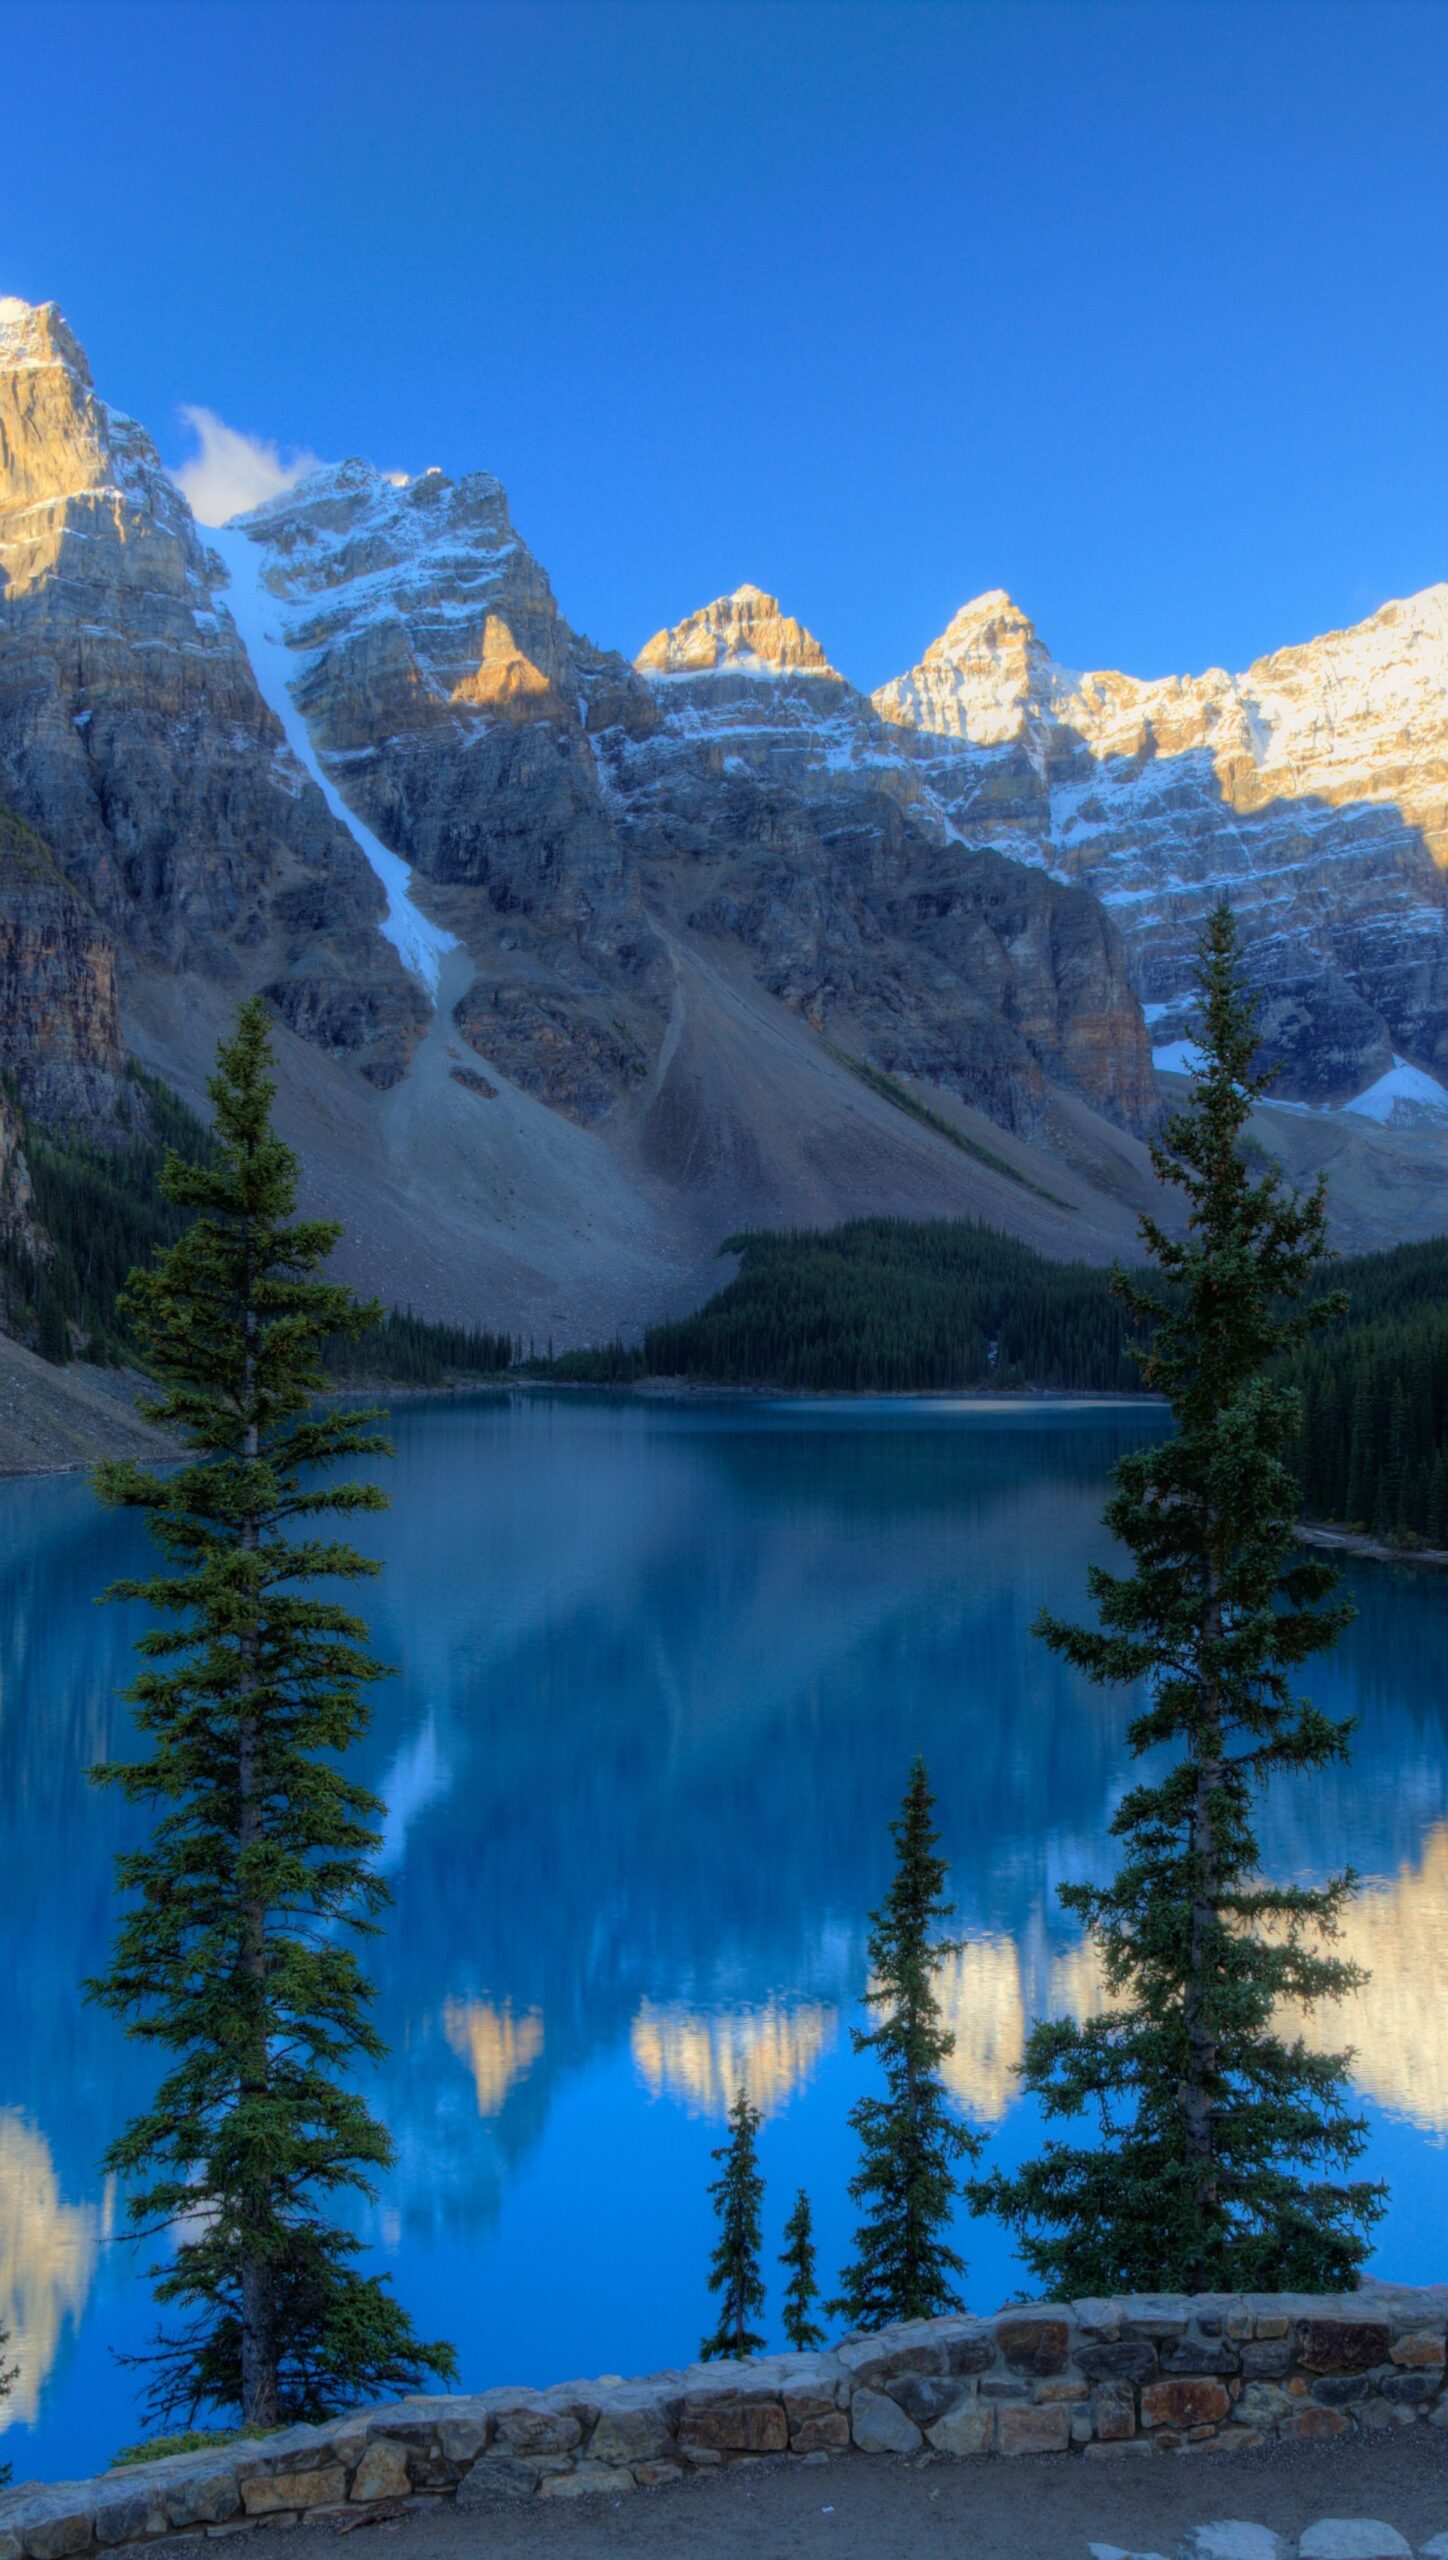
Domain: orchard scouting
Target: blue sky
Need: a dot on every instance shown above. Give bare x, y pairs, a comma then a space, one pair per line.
1138, 311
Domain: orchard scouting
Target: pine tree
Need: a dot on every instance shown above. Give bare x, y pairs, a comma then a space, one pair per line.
734, 2275
910, 2141
798, 2257
233, 1952
1224, 2138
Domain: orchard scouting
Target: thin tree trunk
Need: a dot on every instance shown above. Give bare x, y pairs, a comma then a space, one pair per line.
1198, 2111
258, 2304
258, 2295
913, 2250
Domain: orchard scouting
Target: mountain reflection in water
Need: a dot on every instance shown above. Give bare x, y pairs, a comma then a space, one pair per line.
660, 1671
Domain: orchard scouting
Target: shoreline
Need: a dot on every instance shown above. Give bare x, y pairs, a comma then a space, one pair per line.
62, 1418
118, 1430
1358, 1542
120, 1387
681, 1390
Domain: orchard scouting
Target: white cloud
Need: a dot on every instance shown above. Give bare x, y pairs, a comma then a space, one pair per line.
232, 471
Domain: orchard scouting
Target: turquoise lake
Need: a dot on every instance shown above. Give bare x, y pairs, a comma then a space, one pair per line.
660, 1669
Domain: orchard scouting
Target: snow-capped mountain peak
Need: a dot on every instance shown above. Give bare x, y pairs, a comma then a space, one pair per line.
388, 675
135, 695
988, 677
743, 633
37, 333
1311, 790
979, 681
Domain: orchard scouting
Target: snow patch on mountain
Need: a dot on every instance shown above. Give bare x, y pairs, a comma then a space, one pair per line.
258, 616
1179, 1058
1401, 1098
1404, 1094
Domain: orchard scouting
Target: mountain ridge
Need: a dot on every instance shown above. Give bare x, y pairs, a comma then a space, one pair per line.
557, 802
575, 958
133, 738
1321, 773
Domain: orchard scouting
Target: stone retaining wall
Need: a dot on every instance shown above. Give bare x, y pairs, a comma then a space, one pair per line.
1145, 2375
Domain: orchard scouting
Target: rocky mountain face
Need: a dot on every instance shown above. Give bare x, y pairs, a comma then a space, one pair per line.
768, 807
133, 738
61, 1036
450, 702
583, 960
589, 962
17, 1223
1313, 790
575, 818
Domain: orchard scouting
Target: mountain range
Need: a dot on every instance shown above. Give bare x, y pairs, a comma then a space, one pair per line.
581, 963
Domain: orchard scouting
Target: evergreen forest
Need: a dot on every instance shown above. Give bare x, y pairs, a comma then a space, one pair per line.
1375, 1399
889, 1304
104, 1212
102, 1209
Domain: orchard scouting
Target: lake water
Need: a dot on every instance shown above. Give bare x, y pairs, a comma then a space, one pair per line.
660, 1671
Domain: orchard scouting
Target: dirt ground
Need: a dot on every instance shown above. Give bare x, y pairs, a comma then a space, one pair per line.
882, 2509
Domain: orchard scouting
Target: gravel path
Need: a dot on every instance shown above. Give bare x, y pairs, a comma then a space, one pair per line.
883, 2509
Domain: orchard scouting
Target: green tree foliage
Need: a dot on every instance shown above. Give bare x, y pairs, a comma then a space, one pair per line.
892, 1091
416, 1352
889, 1304
1225, 2140
910, 2142
738, 2194
1374, 1440
798, 2261
104, 1210
604, 1364
234, 1952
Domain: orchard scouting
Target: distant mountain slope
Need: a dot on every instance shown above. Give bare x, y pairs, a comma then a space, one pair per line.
350, 753
1313, 790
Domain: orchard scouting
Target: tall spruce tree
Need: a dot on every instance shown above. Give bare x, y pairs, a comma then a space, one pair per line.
1225, 2138
910, 2141
233, 1952
734, 2274
798, 2260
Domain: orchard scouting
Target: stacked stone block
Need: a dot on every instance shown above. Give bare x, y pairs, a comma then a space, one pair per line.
1143, 2375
